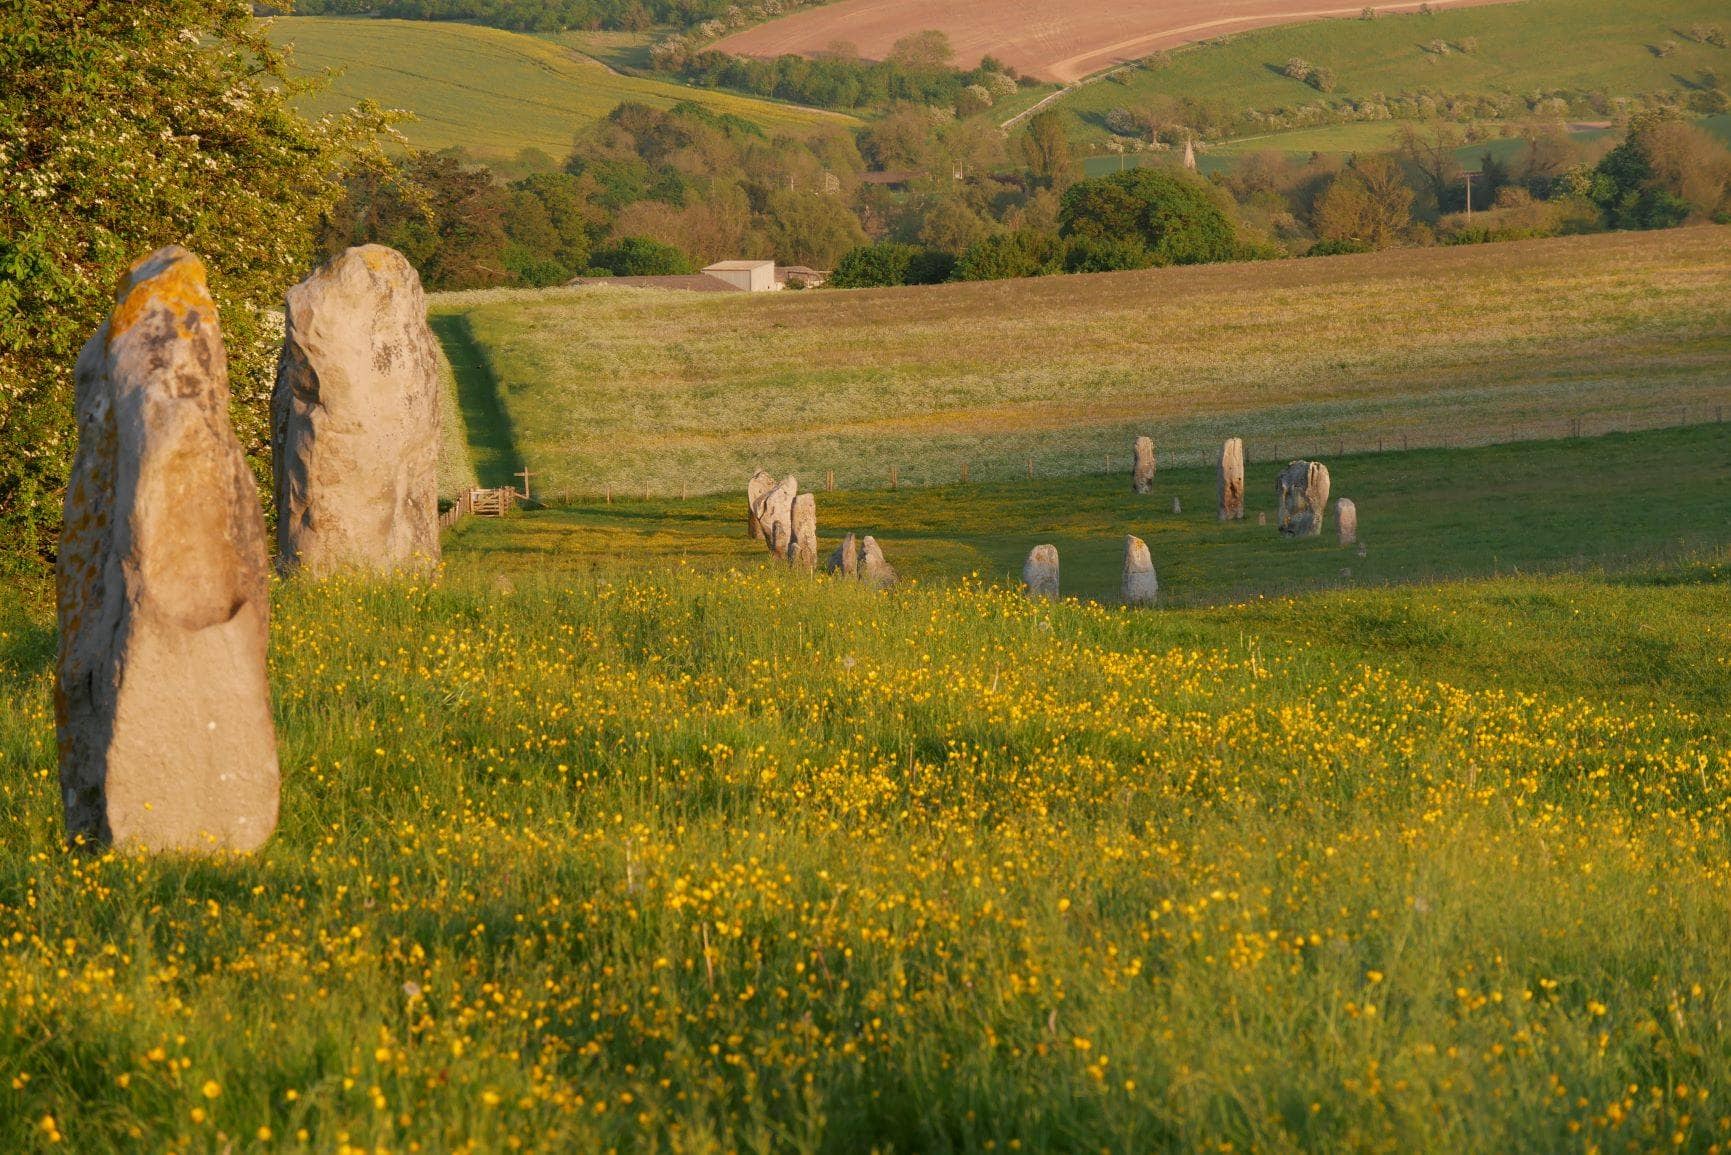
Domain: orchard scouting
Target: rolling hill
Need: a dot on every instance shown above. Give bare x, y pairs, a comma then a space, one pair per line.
1608, 47
690, 392
491, 92
1052, 42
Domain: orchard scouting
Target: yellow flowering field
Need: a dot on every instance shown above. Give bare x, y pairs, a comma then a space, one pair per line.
737, 861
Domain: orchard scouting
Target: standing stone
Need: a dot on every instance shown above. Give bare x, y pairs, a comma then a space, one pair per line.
775, 515
355, 419
1302, 493
1262, 518
1040, 572
803, 551
760, 484
1177, 505
845, 559
1142, 466
874, 571
161, 700
1346, 520
1232, 480
1141, 587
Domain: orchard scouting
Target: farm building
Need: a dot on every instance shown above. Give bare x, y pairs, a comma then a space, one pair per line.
721, 277
751, 276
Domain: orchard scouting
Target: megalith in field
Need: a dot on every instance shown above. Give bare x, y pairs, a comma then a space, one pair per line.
1232, 479
355, 419
775, 515
1142, 465
1346, 520
874, 571
760, 484
1302, 498
1141, 587
161, 700
1040, 572
845, 559
803, 550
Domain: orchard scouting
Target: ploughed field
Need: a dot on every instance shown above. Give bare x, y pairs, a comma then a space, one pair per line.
1060, 42
666, 858
489, 91
688, 393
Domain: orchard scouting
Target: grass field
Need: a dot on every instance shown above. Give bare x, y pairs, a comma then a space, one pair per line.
700, 862
1605, 46
690, 392
492, 92
1423, 516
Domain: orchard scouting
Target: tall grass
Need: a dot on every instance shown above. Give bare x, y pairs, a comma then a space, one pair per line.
691, 392
707, 862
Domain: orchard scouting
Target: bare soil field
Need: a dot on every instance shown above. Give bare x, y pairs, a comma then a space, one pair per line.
1051, 41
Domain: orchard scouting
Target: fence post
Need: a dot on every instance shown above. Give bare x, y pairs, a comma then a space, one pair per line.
893, 483
964, 473
1030, 469
609, 493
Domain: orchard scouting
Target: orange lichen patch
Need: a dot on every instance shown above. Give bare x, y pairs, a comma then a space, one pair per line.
173, 278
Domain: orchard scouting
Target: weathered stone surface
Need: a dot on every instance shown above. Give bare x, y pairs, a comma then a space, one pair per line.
845, 559
1177, 505
1040, 572
760, 484
1302, 493
162, 704
355, 419
803, 551
775, 515
874, 571
1232, 479
1142, 465
1346, 520
1141, 587
1262, 518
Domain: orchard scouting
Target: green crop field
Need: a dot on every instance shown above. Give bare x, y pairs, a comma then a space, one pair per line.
690, 392
491, 92
1604, 46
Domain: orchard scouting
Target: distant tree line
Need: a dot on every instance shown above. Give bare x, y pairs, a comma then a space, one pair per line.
530, 15
919, 69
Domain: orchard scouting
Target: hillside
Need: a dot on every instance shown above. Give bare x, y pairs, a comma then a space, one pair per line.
490, 91
690, 392
1064, 43
1532, 47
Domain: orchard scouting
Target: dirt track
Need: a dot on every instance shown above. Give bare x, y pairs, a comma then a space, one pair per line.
1050, 39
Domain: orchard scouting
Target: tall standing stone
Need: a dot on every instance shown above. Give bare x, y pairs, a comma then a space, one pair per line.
1040, 572
1302, 493
1232, 479
1142, 465
161, 699
760, 484
1141, 587
775, 515
1346, 520
845, 559
803, 551
355, 419
874, 571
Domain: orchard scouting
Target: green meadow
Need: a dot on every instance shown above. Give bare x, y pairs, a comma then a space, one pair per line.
1584, 46
688, 393
491, 92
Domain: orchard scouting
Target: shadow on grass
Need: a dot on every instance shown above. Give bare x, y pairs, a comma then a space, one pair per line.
492, 443
26, 647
